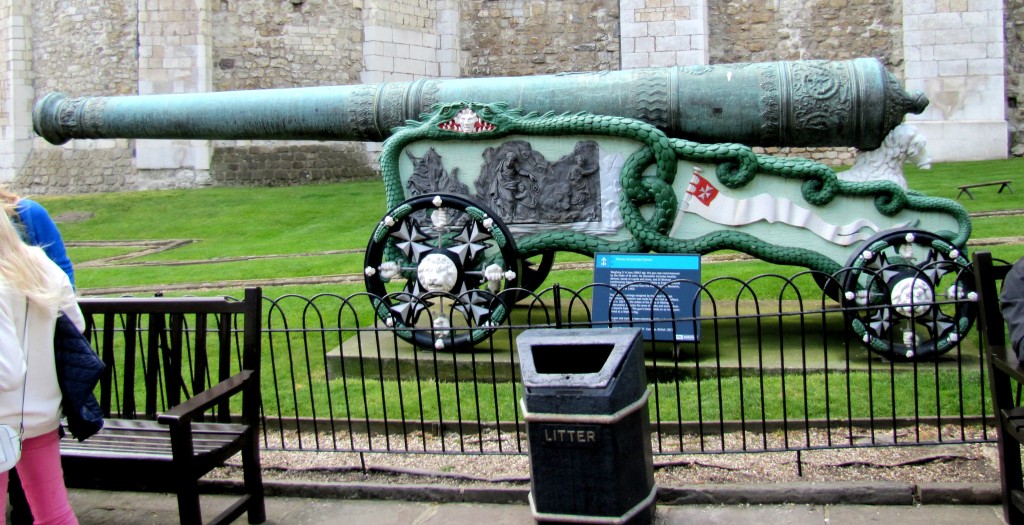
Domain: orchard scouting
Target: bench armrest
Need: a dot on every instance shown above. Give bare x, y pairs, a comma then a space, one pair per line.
1006, 360
201, 402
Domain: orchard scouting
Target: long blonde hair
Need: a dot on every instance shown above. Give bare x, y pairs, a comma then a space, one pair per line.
9, 197
20, 266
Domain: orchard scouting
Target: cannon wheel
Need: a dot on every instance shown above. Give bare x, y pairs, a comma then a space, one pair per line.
535, 271
910, 294
439, 256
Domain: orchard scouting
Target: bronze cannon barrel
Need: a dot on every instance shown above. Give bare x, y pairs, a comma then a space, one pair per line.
800, 103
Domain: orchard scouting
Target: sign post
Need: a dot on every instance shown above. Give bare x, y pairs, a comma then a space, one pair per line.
658, 293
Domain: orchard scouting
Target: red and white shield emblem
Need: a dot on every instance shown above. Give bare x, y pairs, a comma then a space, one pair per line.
702, 189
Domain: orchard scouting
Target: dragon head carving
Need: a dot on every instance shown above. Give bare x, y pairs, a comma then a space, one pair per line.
466, 118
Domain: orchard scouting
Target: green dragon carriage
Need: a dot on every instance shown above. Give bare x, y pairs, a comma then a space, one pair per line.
473, 176
486, 179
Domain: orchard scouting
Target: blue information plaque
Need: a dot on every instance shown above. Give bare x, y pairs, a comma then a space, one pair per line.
662, 287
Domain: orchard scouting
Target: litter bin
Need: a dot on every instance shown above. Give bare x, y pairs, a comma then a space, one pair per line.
585, 406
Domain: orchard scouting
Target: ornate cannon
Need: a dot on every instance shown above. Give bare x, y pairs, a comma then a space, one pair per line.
487, 178
850, 103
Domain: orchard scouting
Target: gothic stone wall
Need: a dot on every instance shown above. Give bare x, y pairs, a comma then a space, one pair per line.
513, 38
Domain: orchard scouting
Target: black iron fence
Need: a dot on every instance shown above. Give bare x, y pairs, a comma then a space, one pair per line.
775, 364
770, 363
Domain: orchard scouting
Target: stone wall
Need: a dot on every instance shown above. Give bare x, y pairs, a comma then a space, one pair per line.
413, 15
82, 48
274, 165
514, 38
15, 87
766, 30
260, 44
1015, 74
769, 30
955, 54
401, 40
656, 33
108, 166
85, 47
266, 44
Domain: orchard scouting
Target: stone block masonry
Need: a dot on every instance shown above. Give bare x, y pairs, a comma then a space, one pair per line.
966, 55
90, 46
513, 38
175, 46
955, 53
767, 30
1014, 36
406, 40
299, 163
50, 170
656, 33
264, 44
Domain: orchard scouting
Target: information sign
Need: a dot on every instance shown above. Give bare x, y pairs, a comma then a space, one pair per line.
642, 287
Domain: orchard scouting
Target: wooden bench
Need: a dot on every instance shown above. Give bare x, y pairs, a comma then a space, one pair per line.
1006, 377
966, 188
174, 366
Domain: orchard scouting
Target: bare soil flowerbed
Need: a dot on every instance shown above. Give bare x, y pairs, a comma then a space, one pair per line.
483, 466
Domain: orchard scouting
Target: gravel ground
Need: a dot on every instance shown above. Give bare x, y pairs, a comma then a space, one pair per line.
962, 463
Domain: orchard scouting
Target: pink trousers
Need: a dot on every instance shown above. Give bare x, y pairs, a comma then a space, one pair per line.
43, 481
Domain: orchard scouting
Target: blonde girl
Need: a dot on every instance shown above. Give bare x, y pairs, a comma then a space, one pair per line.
33, 292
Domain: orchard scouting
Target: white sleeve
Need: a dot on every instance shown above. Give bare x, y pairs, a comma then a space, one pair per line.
74, 313
12, 359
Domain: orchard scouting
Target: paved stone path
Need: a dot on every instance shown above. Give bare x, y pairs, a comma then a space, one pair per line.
324, 507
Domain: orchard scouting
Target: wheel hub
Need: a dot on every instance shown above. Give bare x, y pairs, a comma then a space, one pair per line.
913, 295
437, 273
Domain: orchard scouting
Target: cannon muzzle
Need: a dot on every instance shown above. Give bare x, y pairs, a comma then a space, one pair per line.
801, 103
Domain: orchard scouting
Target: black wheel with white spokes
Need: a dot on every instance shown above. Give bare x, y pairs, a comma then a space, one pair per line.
533, 271
911, 293
437, 267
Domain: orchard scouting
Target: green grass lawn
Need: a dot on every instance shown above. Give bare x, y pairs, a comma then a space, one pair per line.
234, 231
310, 221
818, 395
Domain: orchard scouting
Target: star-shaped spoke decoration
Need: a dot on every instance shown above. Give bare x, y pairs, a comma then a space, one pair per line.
475, 305
470, 242
408, 306
411, 239
943, 324
881, 321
